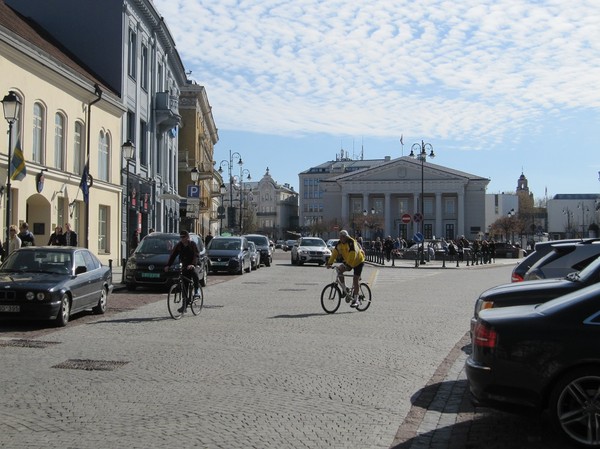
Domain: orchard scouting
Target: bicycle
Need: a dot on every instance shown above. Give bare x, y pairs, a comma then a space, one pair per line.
183, 290
331, 296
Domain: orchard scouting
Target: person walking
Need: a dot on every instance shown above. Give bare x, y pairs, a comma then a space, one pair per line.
70, 235
27, 238
14, 242
57, 238
208, 238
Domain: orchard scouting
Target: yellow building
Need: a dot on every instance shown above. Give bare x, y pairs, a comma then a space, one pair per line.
68, 119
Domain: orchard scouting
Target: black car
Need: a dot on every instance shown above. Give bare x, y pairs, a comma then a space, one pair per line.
263, 245
542, 357
231, 254
52, 283
535, 292
145, 267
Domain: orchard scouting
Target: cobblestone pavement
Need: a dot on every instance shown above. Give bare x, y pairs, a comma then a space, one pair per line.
262, 371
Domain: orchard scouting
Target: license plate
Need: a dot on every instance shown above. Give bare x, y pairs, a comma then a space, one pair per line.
9, 308
151, 275
219, 263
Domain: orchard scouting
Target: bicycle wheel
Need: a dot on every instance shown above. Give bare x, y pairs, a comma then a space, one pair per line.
364, 297
197, 302
174, 302
331, 298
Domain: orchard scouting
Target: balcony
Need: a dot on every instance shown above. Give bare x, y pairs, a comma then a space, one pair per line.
167, 110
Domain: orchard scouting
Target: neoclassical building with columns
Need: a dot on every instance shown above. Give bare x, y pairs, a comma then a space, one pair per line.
377, 198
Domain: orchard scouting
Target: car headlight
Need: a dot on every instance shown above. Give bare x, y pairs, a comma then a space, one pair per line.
131, 265
40, 296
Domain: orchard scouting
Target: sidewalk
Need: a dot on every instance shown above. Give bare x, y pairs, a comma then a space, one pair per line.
441, 264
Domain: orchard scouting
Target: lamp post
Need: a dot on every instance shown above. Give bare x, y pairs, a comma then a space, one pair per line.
422, 149
128, 149
229, 164
367, 223
584, 209
195, 175
249, 178
222, 190
569, 215
11, 105
511, 214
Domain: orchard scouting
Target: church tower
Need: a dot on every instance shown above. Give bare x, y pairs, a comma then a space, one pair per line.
525, 197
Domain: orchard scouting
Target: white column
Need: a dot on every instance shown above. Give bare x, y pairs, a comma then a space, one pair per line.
439, 222
387, 215
345, 215
460, 226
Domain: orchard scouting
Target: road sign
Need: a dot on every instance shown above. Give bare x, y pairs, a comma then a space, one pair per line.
406, 218
418, 237
418, 217
193, 191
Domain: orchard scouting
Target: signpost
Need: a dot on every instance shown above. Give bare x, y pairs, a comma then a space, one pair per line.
406, 218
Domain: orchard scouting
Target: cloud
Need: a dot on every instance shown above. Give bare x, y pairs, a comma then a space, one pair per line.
483, 69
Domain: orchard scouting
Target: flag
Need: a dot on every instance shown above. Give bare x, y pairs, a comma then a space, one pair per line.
83, 185
17, 163
401, 139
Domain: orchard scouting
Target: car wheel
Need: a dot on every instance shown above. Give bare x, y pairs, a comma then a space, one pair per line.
102, 302
64, 311
241, 269
248, 268
268, 262
574, 406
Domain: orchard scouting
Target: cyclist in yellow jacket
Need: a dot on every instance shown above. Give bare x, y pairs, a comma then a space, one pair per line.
354, 259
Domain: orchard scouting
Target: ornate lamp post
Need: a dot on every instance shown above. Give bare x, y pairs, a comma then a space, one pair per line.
249, 178
195, 176
368, 224
11, 105
569, 215
128, 149
229, 164
584, 209
512, 214
422, 149
222, 190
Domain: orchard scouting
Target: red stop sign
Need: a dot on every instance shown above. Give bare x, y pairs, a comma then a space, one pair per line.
406, 218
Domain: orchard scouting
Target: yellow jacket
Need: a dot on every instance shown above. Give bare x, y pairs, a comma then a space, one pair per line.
350, 251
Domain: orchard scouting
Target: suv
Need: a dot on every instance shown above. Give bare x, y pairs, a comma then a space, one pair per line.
145, 267
564, 258
263, 245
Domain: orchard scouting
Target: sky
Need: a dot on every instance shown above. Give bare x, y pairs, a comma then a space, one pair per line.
497, 87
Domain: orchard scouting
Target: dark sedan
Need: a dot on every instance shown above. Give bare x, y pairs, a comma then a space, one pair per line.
229, 254
145, 267
52, 283
542, 357
535, 292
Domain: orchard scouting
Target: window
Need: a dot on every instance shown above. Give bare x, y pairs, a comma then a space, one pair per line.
103, 237
159, 78
131, 126
450, 206
59, 141
103, 155
144, 67
143, 144
449, 231
427, 207
402, 205
78, 148
132, 54
428, 230
37, 146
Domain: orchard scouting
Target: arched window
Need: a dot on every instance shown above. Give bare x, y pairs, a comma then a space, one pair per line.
78, 148
103, 155
59, 141
37, 145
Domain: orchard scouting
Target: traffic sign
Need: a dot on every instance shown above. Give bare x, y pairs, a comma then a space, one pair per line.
406, 218
193, 191
418, 237
418, 217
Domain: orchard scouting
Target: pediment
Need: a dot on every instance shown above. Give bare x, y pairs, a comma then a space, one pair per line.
401, 169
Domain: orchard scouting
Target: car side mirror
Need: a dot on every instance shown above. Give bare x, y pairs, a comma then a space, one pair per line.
80, 269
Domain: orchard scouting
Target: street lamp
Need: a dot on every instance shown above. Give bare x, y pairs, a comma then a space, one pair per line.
367, 223
128, 149
195, 176
422, 149
511, 214
11, 105
230, 209
222, 190
249, 178
569, 215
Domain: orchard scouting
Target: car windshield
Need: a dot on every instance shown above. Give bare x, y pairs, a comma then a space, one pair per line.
312, 242
258, 240
58, 262
226, 244
157, 245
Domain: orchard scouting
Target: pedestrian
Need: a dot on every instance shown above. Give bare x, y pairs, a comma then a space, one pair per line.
27, 238
57, 238
208, 238
70, 236
14, 242
135, 240
388, 246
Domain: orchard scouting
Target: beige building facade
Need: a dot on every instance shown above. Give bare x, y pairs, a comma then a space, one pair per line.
67, 119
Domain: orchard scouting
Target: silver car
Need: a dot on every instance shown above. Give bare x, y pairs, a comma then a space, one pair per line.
310, 250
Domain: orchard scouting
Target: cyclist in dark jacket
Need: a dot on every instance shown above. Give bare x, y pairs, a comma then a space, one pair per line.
188, 253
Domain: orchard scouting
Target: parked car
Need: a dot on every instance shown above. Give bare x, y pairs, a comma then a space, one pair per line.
310, 250
53, 283
331, 243
541, 249
279, 244
289, 244
506, 250
254, 256
229, 254
564, 259
535, 292
544, 358
263, 245
412, 251
145, 266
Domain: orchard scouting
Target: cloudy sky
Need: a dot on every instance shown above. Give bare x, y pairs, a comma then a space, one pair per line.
497, 87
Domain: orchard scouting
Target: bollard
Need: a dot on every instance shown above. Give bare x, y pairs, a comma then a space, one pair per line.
123, 262
393, 258
110, 264
457, 261
444, 261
